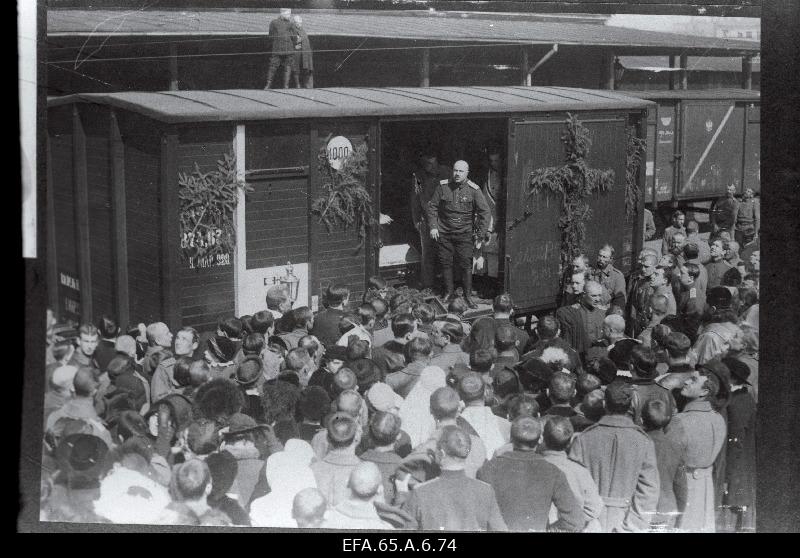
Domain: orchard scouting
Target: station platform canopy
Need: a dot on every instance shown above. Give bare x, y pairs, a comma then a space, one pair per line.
445, 27
695, 63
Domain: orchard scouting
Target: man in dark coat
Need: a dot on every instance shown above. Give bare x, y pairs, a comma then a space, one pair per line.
740, 469
303, 57
452, 501
284, 39
526, 485
326, 322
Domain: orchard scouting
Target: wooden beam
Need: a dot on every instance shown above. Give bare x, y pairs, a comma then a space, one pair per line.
240, 259
315, 229
524, 67
81, 186
119, 220
425, 68
608, 70
747, 72
173, 67
684, 72
170, 231
672, 64
372, 251
51, 254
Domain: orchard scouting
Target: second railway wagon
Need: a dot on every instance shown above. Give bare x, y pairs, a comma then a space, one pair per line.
114, 161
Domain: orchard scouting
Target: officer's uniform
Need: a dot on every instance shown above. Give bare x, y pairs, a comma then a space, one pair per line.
461, 215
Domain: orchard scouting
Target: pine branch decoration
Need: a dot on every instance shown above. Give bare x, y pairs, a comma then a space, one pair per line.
573, 182
634, 151
345, 201
207, 202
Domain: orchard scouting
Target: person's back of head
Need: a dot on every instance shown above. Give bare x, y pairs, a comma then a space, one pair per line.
655, 415
344, 379
384, 427
349, 401
643, 362
471, 388
156, 333
593, 405
445, 403
457, 306
503, 304
692, 227
253, 344
403, 325
336, 295
365, 481
587, 383
418, 349
505, 338
561, 389
453, 331
296, 359
620, 353
691, 251
308, 508
506, 383
190, 480
303, 317
180, 371
618, 397
230, 327
732, 278
481, 360
84, 382
423, 313
199, 373
454, 443
119, 365
547, 327
311, 345
380, 307
129, 424
357, 349
261, 322
523, 405
525, 433
558, 433
342, 429
615, 323
365, 315
124, 344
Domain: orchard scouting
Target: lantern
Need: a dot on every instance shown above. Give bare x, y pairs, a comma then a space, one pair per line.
291, 282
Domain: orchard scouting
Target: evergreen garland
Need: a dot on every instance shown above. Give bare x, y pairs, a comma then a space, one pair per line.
207, 203
574, 182
345, 201
635, 148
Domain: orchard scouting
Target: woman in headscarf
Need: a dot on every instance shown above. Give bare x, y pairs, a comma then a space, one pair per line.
415, 412
288, 472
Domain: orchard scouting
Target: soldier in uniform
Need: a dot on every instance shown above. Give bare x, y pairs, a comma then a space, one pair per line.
425, 179
458, 216
609, 276
725, 211
493, 189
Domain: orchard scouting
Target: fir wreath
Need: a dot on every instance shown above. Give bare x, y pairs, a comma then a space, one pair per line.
345, 201
207, 202
634, 151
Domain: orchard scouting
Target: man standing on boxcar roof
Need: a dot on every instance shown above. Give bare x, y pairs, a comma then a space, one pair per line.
284, 40
458, 216
303, 57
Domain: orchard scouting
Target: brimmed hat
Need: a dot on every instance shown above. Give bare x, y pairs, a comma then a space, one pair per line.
240, 423
738, 369
249, 371
222, 348
82, 454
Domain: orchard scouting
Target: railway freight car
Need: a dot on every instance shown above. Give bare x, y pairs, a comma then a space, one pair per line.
698, 143
119, 165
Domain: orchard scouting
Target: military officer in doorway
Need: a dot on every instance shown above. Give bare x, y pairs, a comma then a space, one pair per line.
425, 179
458, 217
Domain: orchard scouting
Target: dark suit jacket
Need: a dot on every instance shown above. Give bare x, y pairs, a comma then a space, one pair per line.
326, 326
282, 33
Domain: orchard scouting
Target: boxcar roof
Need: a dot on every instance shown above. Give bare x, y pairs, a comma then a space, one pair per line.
175, 107
699, 94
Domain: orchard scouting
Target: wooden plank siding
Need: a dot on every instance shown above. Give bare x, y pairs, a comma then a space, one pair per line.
100, 226
205, 294
81, 210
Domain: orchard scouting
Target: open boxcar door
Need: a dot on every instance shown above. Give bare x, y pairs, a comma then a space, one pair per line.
533, 238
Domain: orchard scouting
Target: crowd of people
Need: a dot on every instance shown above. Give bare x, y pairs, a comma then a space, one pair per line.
629, 408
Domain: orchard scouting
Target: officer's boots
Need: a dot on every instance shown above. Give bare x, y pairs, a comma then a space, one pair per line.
447, 275
468, 291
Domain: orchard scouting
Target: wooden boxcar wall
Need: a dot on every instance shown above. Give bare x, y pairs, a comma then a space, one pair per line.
206, 293
142, 160
60, 187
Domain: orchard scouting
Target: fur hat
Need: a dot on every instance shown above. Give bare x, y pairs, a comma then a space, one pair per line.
249, 371
720, 298
336, 352
218, 399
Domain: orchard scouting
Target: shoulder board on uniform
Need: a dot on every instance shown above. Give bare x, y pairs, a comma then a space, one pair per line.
426, 482
444, 182
473, 185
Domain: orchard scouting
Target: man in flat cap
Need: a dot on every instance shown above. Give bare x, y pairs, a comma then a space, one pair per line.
705, 436
333, 470
622, 460
453, 501
527, 485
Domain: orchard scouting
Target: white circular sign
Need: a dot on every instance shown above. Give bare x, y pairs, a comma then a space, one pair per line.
339, 149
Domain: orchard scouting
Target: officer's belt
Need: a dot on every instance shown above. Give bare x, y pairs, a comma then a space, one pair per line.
700, 472
612, 502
